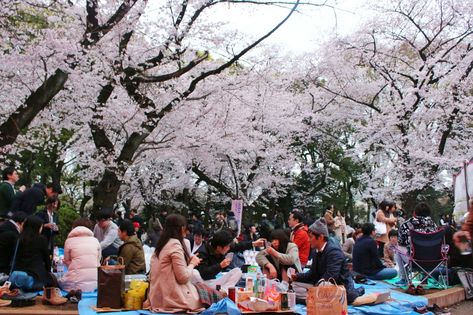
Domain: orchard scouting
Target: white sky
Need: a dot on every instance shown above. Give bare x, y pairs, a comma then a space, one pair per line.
304, 31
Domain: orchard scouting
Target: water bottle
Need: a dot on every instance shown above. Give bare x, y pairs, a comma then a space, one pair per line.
60, 268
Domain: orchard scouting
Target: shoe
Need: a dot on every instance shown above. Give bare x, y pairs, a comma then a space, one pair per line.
401, 283
53, 296
75, 296
438, 310
420, 290
411, 290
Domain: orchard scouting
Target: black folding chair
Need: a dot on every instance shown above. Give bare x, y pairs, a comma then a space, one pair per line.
428, 257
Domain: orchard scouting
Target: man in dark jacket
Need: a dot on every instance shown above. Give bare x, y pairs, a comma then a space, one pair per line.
213, 253
33, 197
328, 263
365, 259
9, 232
7, 190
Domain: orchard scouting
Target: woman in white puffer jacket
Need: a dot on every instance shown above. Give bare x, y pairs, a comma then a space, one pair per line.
82, 254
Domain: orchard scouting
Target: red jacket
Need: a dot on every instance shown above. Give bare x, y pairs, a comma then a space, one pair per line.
300, 237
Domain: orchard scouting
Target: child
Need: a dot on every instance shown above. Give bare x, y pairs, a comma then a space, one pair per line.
390, 248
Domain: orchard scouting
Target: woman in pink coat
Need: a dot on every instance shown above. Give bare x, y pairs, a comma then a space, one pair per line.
82, 255
172, 267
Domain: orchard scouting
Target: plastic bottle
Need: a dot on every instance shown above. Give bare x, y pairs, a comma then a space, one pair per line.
262, 287
256, 285
60, 267
249, 284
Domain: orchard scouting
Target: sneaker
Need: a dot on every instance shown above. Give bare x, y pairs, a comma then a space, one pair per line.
438, 310
401, 283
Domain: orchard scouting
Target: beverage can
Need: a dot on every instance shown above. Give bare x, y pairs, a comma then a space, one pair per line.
232, 294
284, 301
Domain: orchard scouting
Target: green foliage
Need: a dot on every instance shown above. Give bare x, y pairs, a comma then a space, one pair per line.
67, 214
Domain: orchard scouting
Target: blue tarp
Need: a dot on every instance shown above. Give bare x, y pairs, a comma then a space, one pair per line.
402, 304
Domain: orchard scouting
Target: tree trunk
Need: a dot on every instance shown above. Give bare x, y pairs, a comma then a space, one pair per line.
106, 192
34, 104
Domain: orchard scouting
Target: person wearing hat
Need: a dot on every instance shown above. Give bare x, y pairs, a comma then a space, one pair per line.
106, 231
329, 262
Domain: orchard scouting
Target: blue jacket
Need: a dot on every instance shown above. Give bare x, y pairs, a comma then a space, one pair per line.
365, 256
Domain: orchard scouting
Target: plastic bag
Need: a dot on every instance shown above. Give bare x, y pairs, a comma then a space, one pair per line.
225, 306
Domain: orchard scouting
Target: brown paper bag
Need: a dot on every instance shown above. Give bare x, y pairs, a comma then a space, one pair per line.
111, 285
327, 298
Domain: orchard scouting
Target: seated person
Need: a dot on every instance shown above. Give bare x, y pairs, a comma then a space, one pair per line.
197, 239
171, 288
347, 247
214, 261
420, 222
131, 250
329, 262
82, 255
106, 231
281, 255
365, 258
9, 232
390, 249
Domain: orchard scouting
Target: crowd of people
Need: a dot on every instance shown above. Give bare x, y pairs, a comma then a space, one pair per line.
188, 256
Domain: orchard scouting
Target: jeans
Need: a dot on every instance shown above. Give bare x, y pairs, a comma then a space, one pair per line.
383, 274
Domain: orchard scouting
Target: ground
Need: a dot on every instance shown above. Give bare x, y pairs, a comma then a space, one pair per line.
463, 308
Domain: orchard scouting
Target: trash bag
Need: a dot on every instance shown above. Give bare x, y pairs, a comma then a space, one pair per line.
225, 306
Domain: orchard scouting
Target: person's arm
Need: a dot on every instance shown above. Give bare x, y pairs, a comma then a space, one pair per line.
261, 259
308, 276
290, 257
206, 269
182, 271
373, 252
110, 235
382, 218
127, 253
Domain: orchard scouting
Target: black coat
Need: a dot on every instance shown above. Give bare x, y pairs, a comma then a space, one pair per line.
8, 237
209, 267
28, 200
33, 258
365, 256
47, 232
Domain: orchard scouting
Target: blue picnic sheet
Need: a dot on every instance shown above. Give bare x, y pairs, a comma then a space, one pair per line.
402, 304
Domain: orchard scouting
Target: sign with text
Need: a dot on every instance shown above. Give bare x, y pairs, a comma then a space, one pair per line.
237, 209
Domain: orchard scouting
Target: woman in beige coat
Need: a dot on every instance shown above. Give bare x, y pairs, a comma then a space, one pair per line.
172, 267
385, 214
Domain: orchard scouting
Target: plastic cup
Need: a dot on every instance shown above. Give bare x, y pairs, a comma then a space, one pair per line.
229, 256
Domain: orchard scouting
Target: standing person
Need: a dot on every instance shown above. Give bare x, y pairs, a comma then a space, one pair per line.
154, 230
131, 250
32, 197
365, 256
281, 255
9, 232
106, 231
33, 258
7, 190
50, 221
82, 253
328, 216
385, 215
172, 266
299, 236
340, 227
250, 233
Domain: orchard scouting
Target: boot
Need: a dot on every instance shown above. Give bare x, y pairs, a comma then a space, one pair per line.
53, 296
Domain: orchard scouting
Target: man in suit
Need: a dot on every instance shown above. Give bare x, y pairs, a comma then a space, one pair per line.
51, 221
7, 190
33, 197
9, 232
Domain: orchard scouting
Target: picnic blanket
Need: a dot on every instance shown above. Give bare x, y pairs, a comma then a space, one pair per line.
402, 304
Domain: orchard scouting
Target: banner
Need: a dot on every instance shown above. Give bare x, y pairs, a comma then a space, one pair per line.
237, 209
463, 188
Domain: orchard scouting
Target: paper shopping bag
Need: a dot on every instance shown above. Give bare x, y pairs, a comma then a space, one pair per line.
327, 298
111, 285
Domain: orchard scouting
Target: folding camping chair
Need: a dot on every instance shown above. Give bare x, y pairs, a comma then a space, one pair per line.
428, 257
